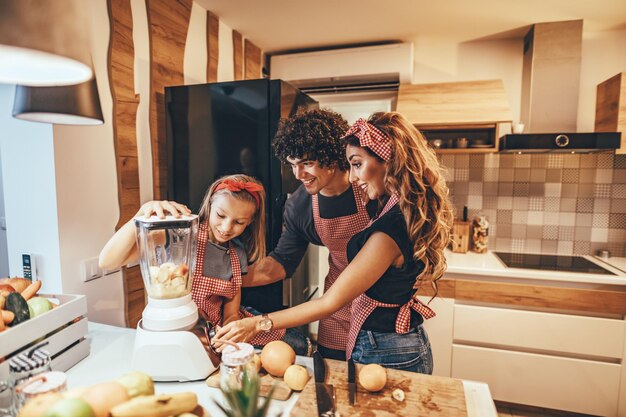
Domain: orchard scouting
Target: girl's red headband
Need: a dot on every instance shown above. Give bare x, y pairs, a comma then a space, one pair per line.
237, 186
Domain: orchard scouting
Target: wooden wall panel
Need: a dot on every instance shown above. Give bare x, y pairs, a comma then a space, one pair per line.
252, 61
168, 22
212, 42
121, 51
238, 55
125, 102
135, 297
611, 107
121, 76
124, 126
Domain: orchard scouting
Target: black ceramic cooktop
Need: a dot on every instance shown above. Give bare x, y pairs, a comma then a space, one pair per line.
551, 262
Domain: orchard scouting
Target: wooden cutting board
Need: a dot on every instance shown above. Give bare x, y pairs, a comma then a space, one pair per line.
425, 395
282, 391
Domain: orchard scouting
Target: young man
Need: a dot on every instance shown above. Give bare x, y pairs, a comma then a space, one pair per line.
325, 210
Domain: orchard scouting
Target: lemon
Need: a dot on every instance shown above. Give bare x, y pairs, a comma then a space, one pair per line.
296, 377
373, 377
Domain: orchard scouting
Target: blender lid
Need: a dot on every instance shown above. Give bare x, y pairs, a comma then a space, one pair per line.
167, 221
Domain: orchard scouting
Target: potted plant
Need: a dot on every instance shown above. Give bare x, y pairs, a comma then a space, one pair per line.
244, 402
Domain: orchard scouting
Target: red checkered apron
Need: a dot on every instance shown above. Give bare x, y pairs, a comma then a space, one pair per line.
363, 305
335, 234
209, 293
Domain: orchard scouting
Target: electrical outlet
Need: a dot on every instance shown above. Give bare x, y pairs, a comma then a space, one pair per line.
90, 269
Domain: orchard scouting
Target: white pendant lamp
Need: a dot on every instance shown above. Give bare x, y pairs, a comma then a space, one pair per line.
66, 105
44, 42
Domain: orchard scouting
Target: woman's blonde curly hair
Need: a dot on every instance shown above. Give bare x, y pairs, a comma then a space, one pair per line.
415, 174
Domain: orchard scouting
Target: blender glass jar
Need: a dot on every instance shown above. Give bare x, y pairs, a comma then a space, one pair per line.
167, 253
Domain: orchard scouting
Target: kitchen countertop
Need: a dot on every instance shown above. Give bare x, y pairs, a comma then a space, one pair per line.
616, 262
110, 358
489, 265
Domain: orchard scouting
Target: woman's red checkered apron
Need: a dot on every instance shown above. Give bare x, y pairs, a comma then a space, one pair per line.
209, 293
335, 234
363, 305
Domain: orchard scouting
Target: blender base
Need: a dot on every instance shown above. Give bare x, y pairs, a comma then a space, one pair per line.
170, 355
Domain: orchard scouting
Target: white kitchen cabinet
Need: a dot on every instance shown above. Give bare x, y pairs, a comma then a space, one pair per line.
439, 330
567, 362
560, 334
569, 384
621, 407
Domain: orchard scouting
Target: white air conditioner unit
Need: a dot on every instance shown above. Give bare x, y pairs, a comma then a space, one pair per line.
348, 69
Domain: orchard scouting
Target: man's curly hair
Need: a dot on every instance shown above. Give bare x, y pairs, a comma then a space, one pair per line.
314, 134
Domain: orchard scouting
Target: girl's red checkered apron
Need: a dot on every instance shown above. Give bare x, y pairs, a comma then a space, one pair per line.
209, 293
363, 305
335, 234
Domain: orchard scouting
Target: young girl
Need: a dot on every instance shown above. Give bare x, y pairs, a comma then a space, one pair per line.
401, 249
231, 235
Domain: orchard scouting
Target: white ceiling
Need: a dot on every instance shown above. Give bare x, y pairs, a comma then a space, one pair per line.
282, 25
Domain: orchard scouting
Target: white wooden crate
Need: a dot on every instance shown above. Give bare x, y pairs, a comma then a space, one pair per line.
64, 327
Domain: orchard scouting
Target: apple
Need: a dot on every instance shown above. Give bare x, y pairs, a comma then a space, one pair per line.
38, 305
70, 407
76, 392
104, 396
36, 406
137, 383
180, 271
257, 362
296, 377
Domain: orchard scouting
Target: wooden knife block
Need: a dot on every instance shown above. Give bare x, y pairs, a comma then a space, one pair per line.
459, 238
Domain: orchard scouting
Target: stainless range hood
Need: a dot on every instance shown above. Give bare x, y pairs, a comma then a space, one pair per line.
550, 86
560, 142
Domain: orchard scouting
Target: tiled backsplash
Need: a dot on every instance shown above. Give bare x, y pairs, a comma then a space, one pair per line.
544, 203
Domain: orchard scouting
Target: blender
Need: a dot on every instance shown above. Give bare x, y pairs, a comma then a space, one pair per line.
165, 348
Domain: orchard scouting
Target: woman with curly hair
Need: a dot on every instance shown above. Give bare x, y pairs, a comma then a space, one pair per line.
325, 210
400, 250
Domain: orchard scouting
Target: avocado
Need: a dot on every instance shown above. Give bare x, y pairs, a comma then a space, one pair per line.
18, 305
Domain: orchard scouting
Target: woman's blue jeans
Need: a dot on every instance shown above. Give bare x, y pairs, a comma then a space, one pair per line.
407, 352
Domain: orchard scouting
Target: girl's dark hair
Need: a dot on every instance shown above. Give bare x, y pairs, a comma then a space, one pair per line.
314, 134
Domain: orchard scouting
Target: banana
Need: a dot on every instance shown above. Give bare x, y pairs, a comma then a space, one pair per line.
162, 405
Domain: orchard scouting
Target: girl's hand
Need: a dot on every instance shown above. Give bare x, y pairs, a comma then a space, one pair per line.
237, 331
161, 207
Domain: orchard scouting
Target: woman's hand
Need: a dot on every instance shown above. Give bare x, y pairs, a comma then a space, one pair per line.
237, 331
161, 207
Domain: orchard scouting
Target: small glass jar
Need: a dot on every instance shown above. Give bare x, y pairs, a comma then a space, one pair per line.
44, 383
22, 367
480, 234
237, 364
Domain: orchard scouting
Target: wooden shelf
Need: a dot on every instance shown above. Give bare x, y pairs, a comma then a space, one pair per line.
487, 132
465, 150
